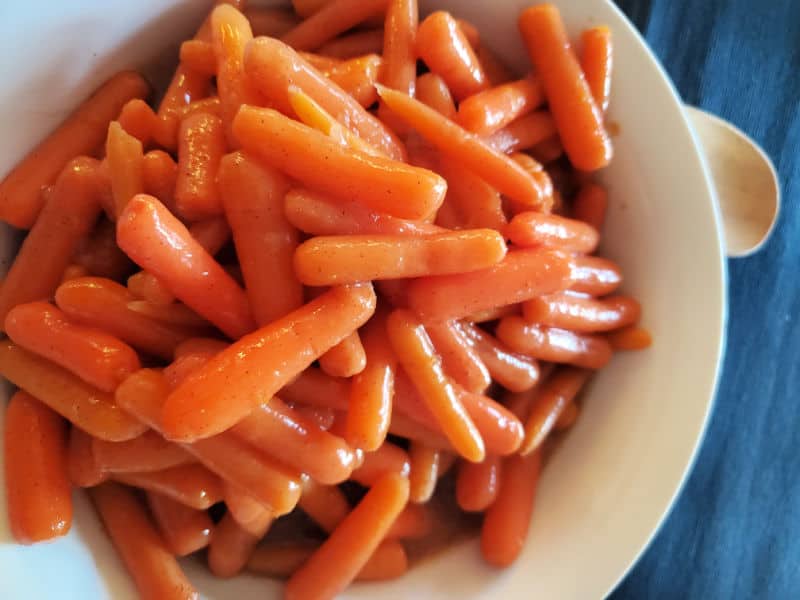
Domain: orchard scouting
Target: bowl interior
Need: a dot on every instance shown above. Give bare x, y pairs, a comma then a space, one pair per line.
605, 491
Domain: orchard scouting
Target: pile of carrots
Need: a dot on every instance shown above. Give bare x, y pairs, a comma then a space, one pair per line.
347, 246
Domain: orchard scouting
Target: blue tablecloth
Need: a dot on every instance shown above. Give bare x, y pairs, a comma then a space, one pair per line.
735, 531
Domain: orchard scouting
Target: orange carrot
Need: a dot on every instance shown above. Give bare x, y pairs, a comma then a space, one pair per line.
175, 313
442, 45
82, 467
144, 454
548, 150
185, 530
265, 242
536, 229
597, 60
47, 250
190, 484
524, 133
146, 286
186, 86
432, 91
315, 388
521, 275
459, 359
505, 525
399, 70
500, 429
567, 417
407, 427
96, 357
590, 205
325, 504
124, 161
595, 276
210, 105
198, 55
337, 562
577, 116
534, 168
207, 346
492, 109
138, 119
35, 457
231, 547
493, 314
248, 512
515, 372
581, 314
275, 67
81, 133
73, 271
306, 8
273, 22
212, 234
476, 203
330, 20
471, 33
414, 521
159, 174
382, 184
357, 77
201, 146
353, 45
477, 484
322, 63
497, 71
388, 458
424, 471
630, 338
345, 359
152, 566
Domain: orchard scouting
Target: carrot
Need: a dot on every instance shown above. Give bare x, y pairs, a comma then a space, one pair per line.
453, 141
493, 314
416, 354
476, 203
81, 133
207, 346
577, 116
96, 357
147, 557
273, 22
175, 314
325, 504
138, 119
73, 271
306, 8
144, 454
399, 70
630, 338
274, 67
184, 529
414, 521
337, 562
597, 60
322, 63
380, 183
515, 372
536, 171
315, 388
323, 417
553, 344
500, 429
506, 523
442, 45
497, 71
536, 229
345, 359
124, 157
590, 205
347, 259
432, 91
47, 250
407, 427
423, 476
353, 45
471, 33
357, 77
492, 109
178, 370
595, 276
81, 465
247, 511
210, 105
231, 547
99, 253
524, 133
147, 287
522, 274
201, 146
581, 314
335, 17
252, 196
459, 359
37, 485
477, 484
198, 55
187, 86
567, 417
190, 484
388, 458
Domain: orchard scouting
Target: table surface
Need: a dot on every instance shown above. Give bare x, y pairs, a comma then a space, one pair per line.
735, 530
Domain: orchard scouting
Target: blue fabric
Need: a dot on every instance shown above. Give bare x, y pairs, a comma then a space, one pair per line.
735, 531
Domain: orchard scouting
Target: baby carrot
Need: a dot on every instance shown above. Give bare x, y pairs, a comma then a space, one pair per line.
424, 471
315, 388
275, 67
100, 255
138, 119
524, 133
388, 458
325, 504
206, 404
577, 116
273, 22
432, 91
630, 338
185, 530
333, 18
124, 158
200, 148
515, 372
567, 417
497, 71
144, 454
345, 359
597, 60
337, 562
207, 346
210, 105
198, 55
494, 108
81, 133
477, 484
581, 314
451, 140
322, 63
471, 33
414, 521
442, 45
35, 456
252, 196
353, 45
48, 248
187, 85
231, 547
93, 355
306, 8
246, 510
147, 287
380, 183
81, 465
74, 271
522, 274
536, 229
357, 77
506, 523
414, 350
460, 360
590, 205
190, 484
399, 70
553, 344
151, 564
500, 429
161, 244
595, 276
476, 203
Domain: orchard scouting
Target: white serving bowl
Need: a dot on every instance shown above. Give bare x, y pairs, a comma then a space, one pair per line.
609, 486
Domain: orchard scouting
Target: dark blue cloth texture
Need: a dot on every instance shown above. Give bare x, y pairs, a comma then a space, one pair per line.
735, 530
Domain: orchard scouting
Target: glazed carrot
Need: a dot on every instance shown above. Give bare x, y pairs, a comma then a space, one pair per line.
138, 119
388, 458
325, 504
459, 359
275, 67
186, 86
493, 314
471, 33
207, 346
330, 20
146, 286
567, 417
597, 58
536, 229
212, 234
515, 372
35, 457
423, 474
81, 133
476, 203
380, 183
581, 314
595, 276
492, 109
553, 344
73, 271
210, 106
354, 45
497, 72
335, 260
247, 511
175, 314
198, 55
231, 547
477, 484
442, 45
306, 8
147, 557
185, 530
345, 359
178, 370
505, 525
630, 338
414, 350
524, 133
399, 70
322, 416
590, 205
322, 63
500, 429
534, 168
414, 521
124, 157
161, 244
522, 274
190, 484
99, 253
407, 427
81, 465
337, 562
50, 244
315, 388
273, 22
357, 77
200, 148
252, 196
143, 394
548, 150
144, 454
577, 116
451, 140
205, 404
432, 91
93, 355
